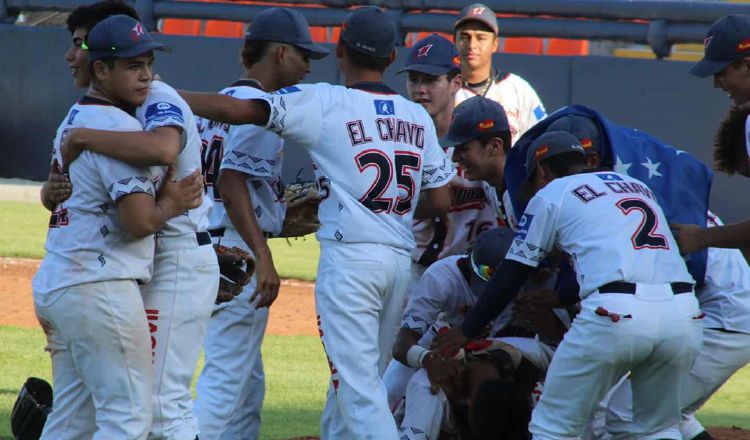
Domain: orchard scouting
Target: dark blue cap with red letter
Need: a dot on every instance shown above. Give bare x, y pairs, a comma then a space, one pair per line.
473, 118
726, 40
284, 25
433, 55
120, 36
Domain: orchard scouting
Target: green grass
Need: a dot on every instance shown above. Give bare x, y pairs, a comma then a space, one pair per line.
296, 380
295, 366
23, 229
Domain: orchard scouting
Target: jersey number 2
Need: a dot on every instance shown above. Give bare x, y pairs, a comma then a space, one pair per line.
405, 162
645, 237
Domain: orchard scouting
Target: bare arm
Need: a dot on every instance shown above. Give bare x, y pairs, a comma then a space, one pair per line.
224, 108
159, 146
142, 215
692, 238
433, 202
405, 339
238, 203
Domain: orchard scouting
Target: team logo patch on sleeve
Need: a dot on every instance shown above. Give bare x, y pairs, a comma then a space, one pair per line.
384, 107
162, 111
608, 177
288, 90
72, 116
539, 112
523, 226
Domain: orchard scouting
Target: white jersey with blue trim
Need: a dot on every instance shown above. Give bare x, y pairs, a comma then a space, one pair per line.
725, 294
609, 225
373, 151
521, 103
250, 150
165, 108
86, 242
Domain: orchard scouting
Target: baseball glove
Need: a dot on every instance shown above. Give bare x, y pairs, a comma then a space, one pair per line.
730, 150
33, 405
236, 267
302, 202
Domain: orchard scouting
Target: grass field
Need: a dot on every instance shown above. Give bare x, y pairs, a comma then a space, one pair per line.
296, 369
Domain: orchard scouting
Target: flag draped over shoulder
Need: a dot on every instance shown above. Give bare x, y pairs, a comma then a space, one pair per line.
681, 182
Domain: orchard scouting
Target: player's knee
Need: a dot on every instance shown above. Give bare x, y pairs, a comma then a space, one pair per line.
501, 406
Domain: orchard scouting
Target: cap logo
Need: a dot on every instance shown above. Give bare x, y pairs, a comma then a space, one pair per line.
744, 45
586, 143
541, 152
456, 61
477, 11
344, 26
424, 50
137, 32
707, 41
486, 125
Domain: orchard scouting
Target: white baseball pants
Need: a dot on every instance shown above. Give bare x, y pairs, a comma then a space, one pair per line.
178, 302
231, 387
98, 339
360, 295
656, 338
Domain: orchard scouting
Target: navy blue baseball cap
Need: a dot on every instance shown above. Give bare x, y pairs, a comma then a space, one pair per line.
727, 39
433, 55
477, 12
488, 252
283, 25
550, 144
582, 127
120, 36
473, 118
369, 31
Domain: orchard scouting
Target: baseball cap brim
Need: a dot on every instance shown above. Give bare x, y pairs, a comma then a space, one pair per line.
428, 69
705, 68
316, 51
451, 141
462, 21
130, 52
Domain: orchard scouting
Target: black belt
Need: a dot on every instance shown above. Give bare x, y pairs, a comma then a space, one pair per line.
630, 288
203, 238
219, 232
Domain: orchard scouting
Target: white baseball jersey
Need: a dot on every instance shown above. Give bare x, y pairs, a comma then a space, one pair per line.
610, 226
165, 108
502, 207
86, 242
725, 296
442, 294
521, 103
251, 150
454, 233
373, 151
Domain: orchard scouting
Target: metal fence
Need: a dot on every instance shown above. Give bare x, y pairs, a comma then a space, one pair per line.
659, 24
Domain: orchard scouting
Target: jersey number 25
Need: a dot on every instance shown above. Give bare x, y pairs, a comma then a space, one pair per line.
406, 162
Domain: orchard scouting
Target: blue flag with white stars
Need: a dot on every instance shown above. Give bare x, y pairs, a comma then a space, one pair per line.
681, 182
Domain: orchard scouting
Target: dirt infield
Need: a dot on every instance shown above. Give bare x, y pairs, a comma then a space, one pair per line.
293, 313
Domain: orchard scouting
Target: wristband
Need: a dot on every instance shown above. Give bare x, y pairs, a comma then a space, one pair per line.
415, 355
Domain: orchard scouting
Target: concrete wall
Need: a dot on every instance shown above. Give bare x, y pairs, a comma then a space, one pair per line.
655, 96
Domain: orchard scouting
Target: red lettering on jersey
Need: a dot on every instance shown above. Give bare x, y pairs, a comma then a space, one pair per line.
152, 315
357, 134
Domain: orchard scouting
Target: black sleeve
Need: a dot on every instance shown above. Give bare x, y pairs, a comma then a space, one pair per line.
501, 288
567, 286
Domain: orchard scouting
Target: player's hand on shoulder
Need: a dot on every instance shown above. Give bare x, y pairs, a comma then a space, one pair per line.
690, 238
267, 280
448, 342
70, 148
181, 195
56, 189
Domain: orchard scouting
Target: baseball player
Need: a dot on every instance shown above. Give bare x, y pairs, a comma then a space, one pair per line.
476, 36
58, 188
369, 190
481, 138
638, 311
441, 298
243, 171
179, 297
726, 58
433, 79
725, 299
98, 247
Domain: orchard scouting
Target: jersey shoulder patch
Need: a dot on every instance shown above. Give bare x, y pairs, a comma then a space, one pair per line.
162, 111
